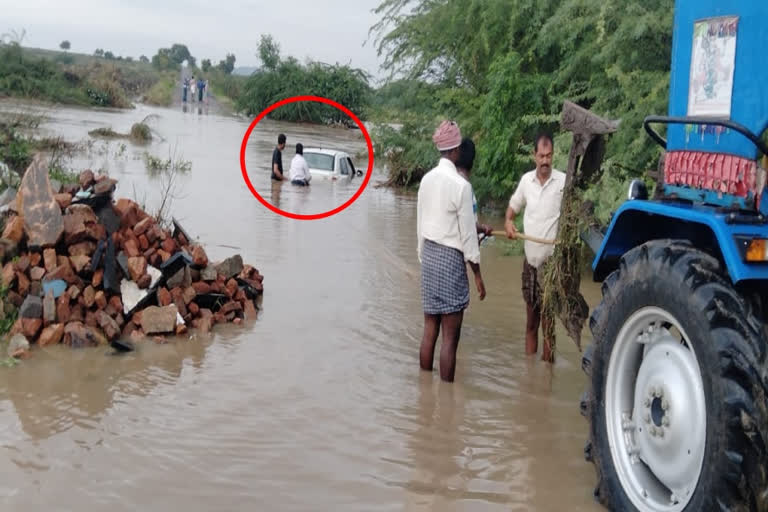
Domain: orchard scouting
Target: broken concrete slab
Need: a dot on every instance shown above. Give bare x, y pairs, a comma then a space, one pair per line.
176, 262
8, 196
230, 267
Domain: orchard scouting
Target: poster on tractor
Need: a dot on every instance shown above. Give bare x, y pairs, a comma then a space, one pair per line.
712, 66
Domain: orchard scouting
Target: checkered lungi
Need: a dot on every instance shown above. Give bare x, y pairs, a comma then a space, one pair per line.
444, 283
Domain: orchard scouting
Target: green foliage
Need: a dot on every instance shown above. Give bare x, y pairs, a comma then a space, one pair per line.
227, 65
65, 45
269, 52
205, 65
343, 84
162, 92
502, 69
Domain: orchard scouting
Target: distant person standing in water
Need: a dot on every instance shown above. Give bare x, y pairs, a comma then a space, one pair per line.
207, 91
192, 87
184, 87
299, 171
200, 89
277, 158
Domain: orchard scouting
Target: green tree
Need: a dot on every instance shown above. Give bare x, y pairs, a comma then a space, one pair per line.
109, 55
206, 65
99, 52
227, 65
65, 45
144, 59
269, 52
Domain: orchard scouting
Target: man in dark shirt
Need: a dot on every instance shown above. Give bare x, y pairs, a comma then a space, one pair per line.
277, 159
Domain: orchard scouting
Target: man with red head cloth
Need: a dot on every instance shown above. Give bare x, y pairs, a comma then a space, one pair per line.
447, 241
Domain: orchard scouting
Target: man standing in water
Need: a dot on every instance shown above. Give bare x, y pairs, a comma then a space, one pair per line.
447, 240
540, 192
464, 167
277, 158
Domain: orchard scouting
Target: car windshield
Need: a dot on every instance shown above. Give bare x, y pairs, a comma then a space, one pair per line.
319, 161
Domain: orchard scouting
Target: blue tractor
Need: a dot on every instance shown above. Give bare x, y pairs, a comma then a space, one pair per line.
678, 377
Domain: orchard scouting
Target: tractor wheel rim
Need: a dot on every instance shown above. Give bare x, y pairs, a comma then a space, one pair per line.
655, 411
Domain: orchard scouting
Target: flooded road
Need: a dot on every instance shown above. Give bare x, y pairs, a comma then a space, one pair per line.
317, 405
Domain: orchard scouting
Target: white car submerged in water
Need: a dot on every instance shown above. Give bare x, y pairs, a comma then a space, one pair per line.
329, 163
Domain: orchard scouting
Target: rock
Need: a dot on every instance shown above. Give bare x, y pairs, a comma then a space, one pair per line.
194, 309
252, 288
137, 336
14, 298
76, 313
96, 231
240, 296
249, 310
201, 287
230, 267
17, 345
63, 273
108, 325
49, 309
14, 229
8, 274
137, 266
8, 196
136, 318
63, 312
156, 319
182, 278
31, 326
73, 291
87, 248
188, 294
181, 329
237, 321
164, 256
37, 273
208, 273
163, 296
122, 260
131, 248
79, 262
179, 232
232, 306
51, 335
32, 307
49, 258
144, 281
199, 258
116, 303
22, 283
74, 228
142, 227
90, 319
41, 213
35, 258
8, 249
143, 243
79, 335
23, 263
89, 296
100, 299
64, 200
205, 322
97, 278
232, 287
105, 186
175, 263
169, 246
129, 212
86, 179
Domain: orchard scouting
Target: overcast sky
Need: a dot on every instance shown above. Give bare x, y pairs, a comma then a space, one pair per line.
325, 30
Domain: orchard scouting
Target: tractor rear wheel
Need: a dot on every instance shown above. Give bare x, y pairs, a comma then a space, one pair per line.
677, 403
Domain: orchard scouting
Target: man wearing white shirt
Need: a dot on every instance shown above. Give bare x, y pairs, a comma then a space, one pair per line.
299, 171
447, 241
540, 192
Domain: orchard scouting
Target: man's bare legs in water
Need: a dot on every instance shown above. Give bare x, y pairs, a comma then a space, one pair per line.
451, 325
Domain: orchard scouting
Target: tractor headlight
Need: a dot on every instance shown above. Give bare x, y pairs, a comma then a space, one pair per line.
637, 190
753, 250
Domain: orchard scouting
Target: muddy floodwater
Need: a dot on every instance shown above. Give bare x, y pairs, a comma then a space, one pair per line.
319, 404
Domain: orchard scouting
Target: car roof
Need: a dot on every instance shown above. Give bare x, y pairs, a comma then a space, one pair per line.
324, 151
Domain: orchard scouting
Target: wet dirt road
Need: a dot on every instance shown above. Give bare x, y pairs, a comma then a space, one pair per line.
317, 405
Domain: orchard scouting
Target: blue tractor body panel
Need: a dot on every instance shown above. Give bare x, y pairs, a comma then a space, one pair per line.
742, 98
719, 72
707, 227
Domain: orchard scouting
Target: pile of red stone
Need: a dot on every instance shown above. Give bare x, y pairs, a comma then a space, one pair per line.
83, 270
